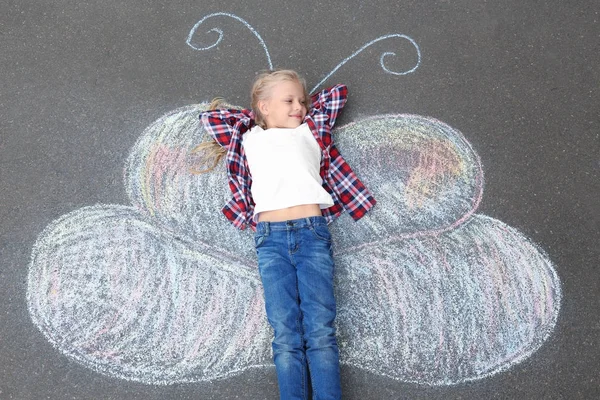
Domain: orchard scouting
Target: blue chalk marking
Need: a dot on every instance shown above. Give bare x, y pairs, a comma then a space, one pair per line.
381, 60
220, 32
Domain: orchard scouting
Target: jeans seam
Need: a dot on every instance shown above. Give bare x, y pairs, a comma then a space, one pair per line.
299, 328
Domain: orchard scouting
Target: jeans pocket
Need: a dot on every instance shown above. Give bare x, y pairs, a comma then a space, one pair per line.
321, 232
259, 239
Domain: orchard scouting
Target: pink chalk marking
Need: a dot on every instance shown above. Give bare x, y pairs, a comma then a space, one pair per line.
418, 254
502, 273
182, 306
165, 164
119, 311
491, 296
116, 266
252, 321
93, 338
109, 354
508, 238
54, 286
532, 281
435, 244
378, 265
208, 322
163, 291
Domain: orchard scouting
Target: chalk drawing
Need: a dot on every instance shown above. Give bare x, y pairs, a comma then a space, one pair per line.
264, 46
220, 32
166, 291
381, 60
129, 299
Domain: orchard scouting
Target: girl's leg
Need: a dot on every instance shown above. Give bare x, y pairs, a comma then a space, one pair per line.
314, 262
280, 285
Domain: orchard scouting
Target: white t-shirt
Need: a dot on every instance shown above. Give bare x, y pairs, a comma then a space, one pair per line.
284, 164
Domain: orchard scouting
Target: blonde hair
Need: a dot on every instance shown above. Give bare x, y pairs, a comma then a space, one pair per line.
212, 151
261, 91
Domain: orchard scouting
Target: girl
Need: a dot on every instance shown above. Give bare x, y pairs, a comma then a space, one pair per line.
288, 182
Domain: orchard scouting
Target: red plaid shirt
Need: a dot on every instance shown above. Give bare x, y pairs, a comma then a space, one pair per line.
227, 127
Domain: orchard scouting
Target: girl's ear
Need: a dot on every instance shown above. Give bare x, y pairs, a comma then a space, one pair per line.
263, 107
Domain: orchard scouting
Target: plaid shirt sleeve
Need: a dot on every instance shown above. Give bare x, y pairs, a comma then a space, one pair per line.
226, 126
347, 191
221, 124
329, 102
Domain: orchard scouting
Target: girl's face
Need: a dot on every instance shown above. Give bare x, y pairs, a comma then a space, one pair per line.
285, 107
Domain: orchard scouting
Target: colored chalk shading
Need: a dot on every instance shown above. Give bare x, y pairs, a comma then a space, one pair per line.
167, 291
446, 309
131, 300
426, 177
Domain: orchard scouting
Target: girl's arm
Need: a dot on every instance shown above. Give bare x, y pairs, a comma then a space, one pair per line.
330, 101
222, 123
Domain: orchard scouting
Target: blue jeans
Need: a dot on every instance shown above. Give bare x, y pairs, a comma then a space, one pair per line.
296, 267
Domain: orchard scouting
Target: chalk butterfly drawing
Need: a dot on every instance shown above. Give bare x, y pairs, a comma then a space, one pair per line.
166, 291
